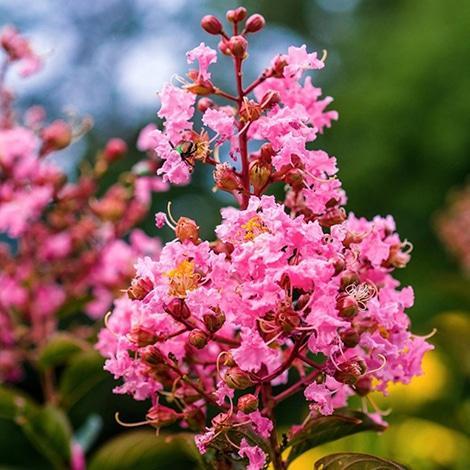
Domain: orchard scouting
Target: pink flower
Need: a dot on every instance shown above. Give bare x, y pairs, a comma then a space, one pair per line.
298, 60
160, 219
146, 140
254, 352
256, 457
205, 57
219, 121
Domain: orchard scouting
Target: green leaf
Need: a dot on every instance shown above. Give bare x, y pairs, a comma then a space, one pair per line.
46, 428
60, 348
49, 431
355, 461
324, 429
84, 371
146, 451
14, 404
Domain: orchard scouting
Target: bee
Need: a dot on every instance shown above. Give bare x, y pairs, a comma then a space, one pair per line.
187, 150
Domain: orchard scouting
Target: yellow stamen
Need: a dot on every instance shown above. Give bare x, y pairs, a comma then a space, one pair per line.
183, 278
254, 227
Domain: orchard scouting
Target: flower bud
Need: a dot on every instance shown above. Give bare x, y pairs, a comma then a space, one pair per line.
153, 357
238, 46
363, 385
142, 336
278, 67
214, 320
198, 338
350, 371
115, 149
248, 403
259, 174
187, 230
178, 309
237, 15
270, 99
350, 338
237, 379
347, 306
55, 136
204, 104
224, 47
225, 177
348, 278
227, 360
139, 288
254, 23
160, 415
333, 216
211, 24
295, 178
320, 378
339, 265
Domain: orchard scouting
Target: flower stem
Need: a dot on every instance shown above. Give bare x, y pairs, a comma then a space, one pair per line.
242, 138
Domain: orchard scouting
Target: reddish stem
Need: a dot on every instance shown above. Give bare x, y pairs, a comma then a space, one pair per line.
242, 138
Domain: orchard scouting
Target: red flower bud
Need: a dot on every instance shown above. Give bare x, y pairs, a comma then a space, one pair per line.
363, 385
278, 67
270, 99
350, 338
198, 338
225, 178
348, 278
211, 24
214, 320
333, 216
187, 230
115, 149
254, 23
248, 403
153, 357
347, 306
178, 309
224, 47
142, 336
56, 136
237, 15
204, 104
260, 173
238, 46
160, 415
139, 288
350, 371
237, 379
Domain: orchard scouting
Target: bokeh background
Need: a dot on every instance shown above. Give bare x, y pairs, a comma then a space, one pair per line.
399, 71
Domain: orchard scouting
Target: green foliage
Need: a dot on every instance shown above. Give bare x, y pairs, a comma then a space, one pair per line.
145, 451
324, 429
84, 371
60, 349
44, 430
355, 461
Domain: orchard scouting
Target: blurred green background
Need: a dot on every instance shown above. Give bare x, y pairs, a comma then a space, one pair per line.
399, 71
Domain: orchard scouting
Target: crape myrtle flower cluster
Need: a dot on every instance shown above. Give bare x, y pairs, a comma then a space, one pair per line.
453, 227
292, 297
62, 241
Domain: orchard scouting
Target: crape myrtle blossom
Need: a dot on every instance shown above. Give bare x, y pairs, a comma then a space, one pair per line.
292, 297
452, 225
67, 246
